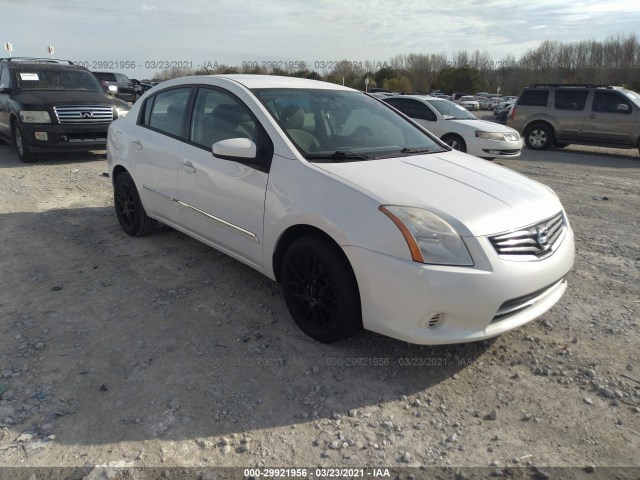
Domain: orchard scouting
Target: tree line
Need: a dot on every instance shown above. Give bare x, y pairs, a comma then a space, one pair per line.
613, 61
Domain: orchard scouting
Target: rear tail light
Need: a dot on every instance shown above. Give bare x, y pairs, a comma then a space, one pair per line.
513, 112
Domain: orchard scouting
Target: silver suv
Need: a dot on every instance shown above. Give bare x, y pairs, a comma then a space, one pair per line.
549, 115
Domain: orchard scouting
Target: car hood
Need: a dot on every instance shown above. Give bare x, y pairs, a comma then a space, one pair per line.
484, 125
475, 196
55, 97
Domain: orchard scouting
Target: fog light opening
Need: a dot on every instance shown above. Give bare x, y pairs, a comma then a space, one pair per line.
434, 320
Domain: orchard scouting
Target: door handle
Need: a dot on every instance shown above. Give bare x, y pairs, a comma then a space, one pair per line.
137, 143
188, 166
592, 115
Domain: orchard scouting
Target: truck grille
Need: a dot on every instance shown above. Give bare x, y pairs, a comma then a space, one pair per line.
84, 114
539, 240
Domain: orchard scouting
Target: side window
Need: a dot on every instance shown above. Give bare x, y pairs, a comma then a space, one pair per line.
534, 98
5, 78
415, 109
395, 103
570, 99
165, 111
122, 79
610, 103
219, 116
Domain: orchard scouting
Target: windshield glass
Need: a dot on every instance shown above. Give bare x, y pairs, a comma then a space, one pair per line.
633, 96
451, 110
57, 79
337, 125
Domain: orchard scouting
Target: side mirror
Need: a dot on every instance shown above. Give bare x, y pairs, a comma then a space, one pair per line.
623, 107
238, 149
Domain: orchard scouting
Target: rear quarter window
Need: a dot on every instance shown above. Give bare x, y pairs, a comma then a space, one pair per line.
535, 98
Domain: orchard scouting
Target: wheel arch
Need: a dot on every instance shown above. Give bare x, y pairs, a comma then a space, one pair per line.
294, 232
117, 170
539, 121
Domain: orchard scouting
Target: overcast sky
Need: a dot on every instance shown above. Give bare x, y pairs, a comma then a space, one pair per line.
233, 31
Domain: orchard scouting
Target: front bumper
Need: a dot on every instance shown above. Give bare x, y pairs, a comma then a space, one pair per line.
483, 147
62, 138
403, 299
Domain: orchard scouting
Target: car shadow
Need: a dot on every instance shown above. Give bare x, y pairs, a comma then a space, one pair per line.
137, 338
581, 155
10, 157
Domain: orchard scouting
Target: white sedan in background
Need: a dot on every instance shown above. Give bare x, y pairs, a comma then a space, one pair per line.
365, 218
459, 128
469, 102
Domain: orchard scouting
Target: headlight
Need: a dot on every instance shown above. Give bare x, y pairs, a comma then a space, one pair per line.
33, 116
430, 239
122, 112
490, 135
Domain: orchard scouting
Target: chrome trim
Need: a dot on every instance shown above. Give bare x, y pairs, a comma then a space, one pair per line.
538, 240
83, 114
245, 233
160, 193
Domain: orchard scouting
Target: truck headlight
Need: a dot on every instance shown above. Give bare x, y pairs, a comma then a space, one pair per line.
34, 116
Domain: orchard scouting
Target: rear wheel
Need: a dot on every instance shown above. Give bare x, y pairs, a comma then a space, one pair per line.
22, 147
539, 137
320, 290
455, 141
129, 210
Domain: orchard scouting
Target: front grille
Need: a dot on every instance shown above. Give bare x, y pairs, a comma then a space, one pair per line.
539, 240
84, 114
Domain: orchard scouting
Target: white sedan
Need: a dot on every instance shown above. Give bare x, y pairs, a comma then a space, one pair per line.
459, 128
365, 218
469, 102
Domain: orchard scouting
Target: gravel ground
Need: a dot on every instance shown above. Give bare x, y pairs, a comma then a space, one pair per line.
161, 352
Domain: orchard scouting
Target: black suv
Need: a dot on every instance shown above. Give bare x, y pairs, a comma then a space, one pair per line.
119, 85
52, 106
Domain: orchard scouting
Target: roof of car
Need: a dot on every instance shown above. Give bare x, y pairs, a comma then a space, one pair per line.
262, 81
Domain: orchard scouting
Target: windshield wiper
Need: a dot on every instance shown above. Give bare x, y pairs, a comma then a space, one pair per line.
409, 151
415, 150
340, 155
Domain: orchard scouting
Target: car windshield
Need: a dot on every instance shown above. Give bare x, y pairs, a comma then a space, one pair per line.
337, 125
56, 79
451, 111
633, 96
468, 99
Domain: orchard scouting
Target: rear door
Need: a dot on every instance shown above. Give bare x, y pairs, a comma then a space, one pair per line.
610, 118
570, 112
155, 143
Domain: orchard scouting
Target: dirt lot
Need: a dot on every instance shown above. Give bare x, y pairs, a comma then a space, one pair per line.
160, 351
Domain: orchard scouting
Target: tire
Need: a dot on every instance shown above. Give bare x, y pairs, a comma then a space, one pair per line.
455, 141
22, 148
539, 137
320, 290
129, 210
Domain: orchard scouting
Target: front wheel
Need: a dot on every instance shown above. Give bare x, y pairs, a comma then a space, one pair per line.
129, 210
22, 147
539, 137
320, 290
456, 142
